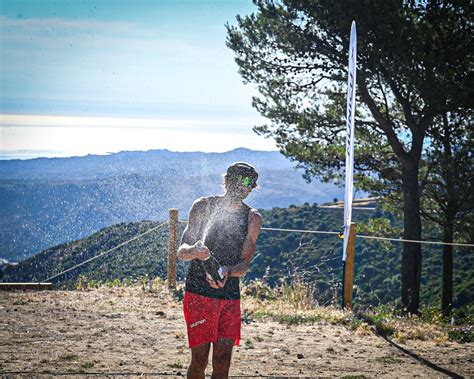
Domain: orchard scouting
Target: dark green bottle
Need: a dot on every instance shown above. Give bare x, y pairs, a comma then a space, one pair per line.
211, 266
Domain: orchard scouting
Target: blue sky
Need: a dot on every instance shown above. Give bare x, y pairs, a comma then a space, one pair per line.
122, 59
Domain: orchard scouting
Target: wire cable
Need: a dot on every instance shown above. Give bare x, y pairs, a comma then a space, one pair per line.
414, 241
374, 237
366, 237
300, 231
105, 252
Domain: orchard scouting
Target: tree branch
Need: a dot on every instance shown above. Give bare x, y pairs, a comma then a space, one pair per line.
384, 96
310, 84
384, 124
405, 103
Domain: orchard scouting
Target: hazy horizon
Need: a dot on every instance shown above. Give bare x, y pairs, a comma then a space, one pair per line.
34, 136
34, 154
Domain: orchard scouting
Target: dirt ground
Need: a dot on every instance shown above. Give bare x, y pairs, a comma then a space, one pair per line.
125, 331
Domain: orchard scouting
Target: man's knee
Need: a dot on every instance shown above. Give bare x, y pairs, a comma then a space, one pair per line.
222, 353
200, 357
199, 363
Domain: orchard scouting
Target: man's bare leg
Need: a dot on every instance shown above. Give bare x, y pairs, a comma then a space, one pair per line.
221, 356
199, 359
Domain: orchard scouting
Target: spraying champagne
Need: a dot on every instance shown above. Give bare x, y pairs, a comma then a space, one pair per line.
211, 266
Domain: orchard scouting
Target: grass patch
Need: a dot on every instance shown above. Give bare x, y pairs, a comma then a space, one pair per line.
295, 304
388, 359
290, 303
287, 318
175, 365
70, 357
288, 314
385, 328
178, 293
428, 326
248, 344
84, 283
87, 365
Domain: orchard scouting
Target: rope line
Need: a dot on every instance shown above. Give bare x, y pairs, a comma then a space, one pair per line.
414, 241
363, 236
105, 252
374, 237
264, 228
300, 231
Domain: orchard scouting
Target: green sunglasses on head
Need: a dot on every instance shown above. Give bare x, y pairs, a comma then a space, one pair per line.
246, 181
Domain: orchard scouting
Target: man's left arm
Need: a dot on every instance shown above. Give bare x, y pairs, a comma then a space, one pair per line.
255, 225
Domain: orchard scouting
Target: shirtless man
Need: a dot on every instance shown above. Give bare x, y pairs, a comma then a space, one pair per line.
227, 228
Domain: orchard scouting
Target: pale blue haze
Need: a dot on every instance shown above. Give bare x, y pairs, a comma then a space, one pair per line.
122, 59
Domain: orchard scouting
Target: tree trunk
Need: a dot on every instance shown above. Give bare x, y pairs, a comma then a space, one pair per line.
447, 297
411, 257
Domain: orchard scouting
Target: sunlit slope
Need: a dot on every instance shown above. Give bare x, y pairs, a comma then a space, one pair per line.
145, 255
316, 259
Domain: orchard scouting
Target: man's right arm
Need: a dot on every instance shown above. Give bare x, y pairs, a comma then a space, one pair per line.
188, 250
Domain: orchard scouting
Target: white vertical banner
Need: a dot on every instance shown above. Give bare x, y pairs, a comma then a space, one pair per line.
349, 187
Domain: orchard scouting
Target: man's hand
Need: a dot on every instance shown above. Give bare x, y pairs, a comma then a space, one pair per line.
201, 251
219, 283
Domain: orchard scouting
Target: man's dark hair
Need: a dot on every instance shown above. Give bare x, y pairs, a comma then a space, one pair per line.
241, 171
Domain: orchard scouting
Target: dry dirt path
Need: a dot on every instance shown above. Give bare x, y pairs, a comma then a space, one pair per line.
125, 330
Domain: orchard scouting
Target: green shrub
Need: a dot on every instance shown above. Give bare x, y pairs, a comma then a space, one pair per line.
461, 334
113, 283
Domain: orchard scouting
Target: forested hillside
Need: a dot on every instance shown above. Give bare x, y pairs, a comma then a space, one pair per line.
314, 258
317, 258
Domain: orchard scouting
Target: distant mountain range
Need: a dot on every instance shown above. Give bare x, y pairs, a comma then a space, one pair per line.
49, 201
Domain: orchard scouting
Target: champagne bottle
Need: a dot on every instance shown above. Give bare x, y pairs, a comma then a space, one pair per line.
211, 265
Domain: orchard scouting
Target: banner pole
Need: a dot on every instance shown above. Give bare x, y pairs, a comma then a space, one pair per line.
349, 227
348, 270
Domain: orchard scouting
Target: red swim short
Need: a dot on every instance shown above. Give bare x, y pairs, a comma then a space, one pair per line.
208, 319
